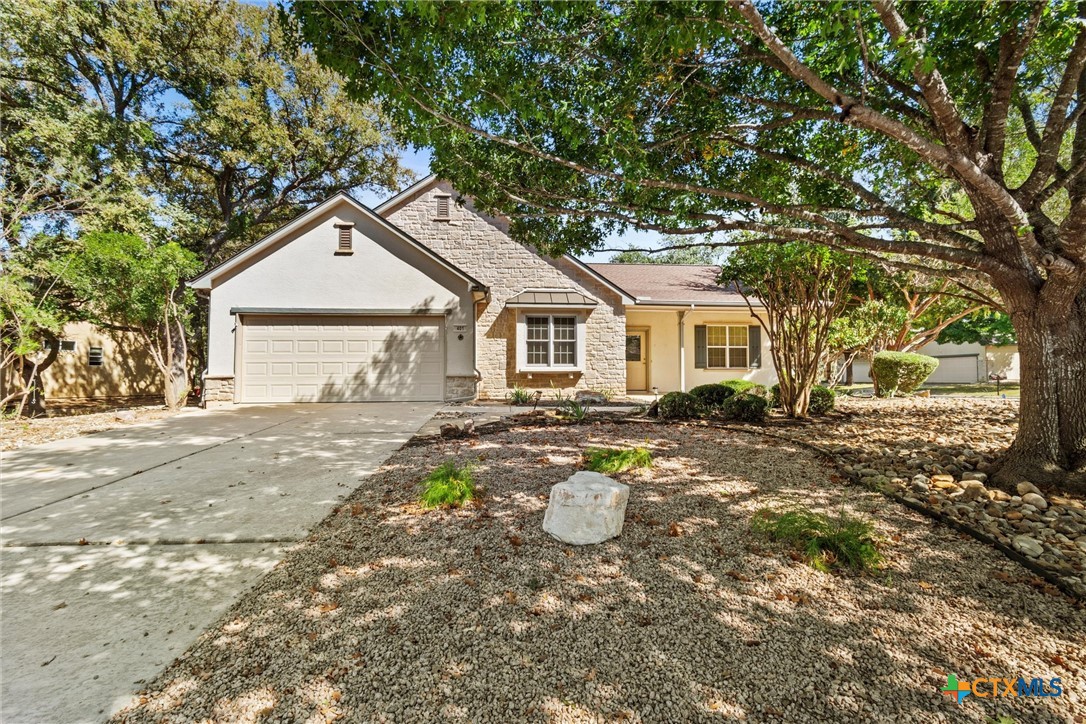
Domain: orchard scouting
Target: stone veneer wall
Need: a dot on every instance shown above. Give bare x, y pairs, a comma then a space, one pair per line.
218, 391
480, 246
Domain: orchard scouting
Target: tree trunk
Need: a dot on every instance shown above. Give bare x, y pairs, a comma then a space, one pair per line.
1050, 447
33, 402
796, 401
176, 374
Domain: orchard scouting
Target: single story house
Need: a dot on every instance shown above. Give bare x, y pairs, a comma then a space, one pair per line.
427, 298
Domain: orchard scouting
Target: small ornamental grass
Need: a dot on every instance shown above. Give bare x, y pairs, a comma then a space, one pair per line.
828, 542
450, 485
520, 396
571, 410
615, 460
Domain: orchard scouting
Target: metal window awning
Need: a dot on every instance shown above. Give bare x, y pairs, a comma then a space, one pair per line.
564, 299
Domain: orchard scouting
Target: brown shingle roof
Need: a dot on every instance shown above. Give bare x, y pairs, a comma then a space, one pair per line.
671, 283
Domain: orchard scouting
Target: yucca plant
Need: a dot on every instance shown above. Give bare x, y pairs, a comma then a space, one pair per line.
573, 411
519, 396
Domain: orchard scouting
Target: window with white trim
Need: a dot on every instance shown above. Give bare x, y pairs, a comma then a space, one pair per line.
726, 347
551, 340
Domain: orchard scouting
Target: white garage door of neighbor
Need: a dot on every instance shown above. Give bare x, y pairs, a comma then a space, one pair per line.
955, 369
312, 358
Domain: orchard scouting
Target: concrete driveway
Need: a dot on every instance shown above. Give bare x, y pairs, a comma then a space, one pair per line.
204, 503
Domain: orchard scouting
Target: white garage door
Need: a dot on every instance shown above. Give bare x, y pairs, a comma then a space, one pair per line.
955, 369
310, 358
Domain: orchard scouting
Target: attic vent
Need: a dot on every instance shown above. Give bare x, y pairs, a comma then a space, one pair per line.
442, 207
346, 233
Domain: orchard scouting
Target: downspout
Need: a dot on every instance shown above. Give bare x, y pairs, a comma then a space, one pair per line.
682, 349
474, 350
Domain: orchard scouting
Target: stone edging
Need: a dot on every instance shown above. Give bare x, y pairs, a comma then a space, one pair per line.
958, 525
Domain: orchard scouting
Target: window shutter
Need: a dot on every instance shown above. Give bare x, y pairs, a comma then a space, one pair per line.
754, 346
700, 353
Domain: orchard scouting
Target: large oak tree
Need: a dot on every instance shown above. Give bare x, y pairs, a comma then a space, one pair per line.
948, 136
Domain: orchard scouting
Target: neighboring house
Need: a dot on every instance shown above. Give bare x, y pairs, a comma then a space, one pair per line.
97, 362
427, 298
960, 363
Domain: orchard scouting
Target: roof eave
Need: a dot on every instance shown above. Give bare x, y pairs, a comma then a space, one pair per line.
205, 280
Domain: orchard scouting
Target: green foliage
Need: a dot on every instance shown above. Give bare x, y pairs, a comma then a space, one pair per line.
823, 399
130, 282
573, 411
746, 407
774, 396
450, 485
703, 255
903, 372
679, 406
616, 460
203, 119
983, 327
559, 396
520, 396
827, 541
738, 386
134, 284
712, 396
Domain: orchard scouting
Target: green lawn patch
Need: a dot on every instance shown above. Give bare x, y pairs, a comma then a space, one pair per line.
615, 460
450, 485
828, 542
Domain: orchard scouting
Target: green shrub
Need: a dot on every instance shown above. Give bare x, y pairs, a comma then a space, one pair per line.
449, 485
519, 396
740, 386
679, 405
822, 400
775, 396
827, 542
746, 407
712, 396
902, 372
616, 460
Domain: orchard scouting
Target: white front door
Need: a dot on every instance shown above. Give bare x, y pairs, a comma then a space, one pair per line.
320, 358
637, 360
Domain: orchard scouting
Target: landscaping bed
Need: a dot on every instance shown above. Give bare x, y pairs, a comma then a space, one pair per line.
936, 454
389, 612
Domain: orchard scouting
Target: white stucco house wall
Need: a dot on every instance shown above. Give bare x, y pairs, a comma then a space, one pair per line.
427, 298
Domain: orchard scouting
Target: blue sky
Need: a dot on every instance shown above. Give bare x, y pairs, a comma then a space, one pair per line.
418, 160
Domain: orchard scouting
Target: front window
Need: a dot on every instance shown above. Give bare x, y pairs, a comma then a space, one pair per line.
551, 341
726, 347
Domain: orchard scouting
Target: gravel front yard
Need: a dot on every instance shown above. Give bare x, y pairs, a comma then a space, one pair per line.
388, 613
74, 421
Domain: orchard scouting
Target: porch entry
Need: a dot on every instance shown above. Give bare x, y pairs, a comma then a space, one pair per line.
637, 360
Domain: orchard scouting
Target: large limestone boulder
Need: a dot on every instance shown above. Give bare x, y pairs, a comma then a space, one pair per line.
587, 508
